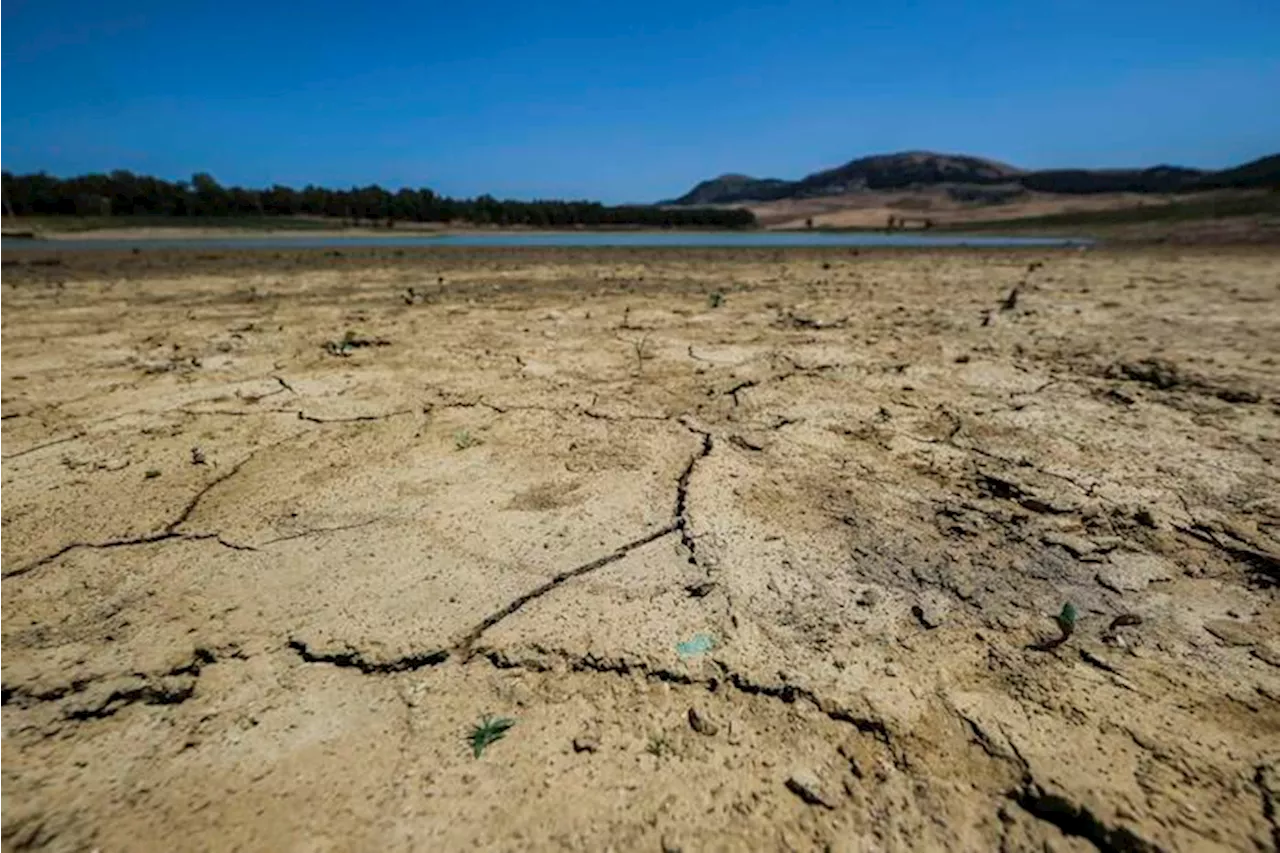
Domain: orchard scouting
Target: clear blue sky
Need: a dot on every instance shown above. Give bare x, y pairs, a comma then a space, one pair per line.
626, 101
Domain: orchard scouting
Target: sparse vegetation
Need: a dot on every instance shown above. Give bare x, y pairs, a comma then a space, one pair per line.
643, 353
1066, 620
488, 731
715, 299
462, 439
352, 340
658, 746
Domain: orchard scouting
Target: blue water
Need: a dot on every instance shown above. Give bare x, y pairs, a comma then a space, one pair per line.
639, 239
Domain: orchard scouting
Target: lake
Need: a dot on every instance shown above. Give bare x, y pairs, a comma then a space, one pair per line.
599, 239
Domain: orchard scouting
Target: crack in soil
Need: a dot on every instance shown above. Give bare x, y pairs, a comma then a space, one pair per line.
1268, 802
741, 386
171, 687
681, 515
52, 443
353, 658
170, 531
318, 531
464, 646
303, 416
1262, 563
785, 692
1078, 820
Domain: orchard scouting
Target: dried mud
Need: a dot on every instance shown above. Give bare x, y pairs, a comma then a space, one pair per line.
760, 549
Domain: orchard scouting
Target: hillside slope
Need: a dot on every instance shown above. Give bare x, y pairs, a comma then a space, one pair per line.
924, 169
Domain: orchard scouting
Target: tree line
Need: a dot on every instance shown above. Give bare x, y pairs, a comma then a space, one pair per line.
123, 193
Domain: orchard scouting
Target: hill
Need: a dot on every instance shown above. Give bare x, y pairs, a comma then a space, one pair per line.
924, 169
731, 188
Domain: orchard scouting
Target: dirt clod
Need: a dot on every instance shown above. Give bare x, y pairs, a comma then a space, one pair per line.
701, 723
806, 785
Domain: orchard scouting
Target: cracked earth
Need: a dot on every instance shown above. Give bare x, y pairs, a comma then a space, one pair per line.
770, 569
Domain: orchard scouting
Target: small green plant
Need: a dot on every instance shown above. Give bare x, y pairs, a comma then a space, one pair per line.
488, 731
643, 352
462, 439
658, 746
353, 340
1067, 619
715, 299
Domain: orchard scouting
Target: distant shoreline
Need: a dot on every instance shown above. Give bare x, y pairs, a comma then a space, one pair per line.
198, 232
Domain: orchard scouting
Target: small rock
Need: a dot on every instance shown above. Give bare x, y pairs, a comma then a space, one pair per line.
586, 743
670, 846
702, 724
1078, 546
806, 785
1121, 396
928, 615
1146, 517
891, 670
1130, 572
869, 598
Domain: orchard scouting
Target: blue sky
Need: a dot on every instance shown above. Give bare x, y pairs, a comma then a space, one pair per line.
626, 101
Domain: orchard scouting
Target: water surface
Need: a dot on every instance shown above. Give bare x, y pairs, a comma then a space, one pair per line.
638, 239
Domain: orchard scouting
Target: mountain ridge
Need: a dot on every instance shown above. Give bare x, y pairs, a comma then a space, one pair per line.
908, 169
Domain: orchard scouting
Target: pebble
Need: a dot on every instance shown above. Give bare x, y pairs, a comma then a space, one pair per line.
586, 743
807, 786
869, 598
702, 724
926, 616
931, 611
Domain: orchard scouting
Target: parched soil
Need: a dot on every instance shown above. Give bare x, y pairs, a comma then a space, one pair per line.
758, 549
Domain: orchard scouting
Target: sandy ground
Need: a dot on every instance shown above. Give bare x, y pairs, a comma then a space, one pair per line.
758, 549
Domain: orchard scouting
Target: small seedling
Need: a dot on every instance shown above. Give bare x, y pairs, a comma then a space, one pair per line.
642, 352
715, 299
658, 746
353, 340
462, 439
489, 730
1066, 620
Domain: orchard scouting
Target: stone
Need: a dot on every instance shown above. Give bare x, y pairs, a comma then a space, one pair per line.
928, 615
869, 598
808, 787
586, 743
702, 724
